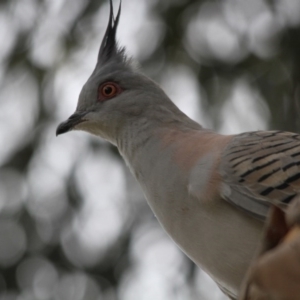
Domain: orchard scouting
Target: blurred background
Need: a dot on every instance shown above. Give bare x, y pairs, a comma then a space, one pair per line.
74, 225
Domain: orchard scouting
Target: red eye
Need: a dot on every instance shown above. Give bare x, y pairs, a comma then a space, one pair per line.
108, 90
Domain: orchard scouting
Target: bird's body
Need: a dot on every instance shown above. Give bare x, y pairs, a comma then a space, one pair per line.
188, 204
206, 189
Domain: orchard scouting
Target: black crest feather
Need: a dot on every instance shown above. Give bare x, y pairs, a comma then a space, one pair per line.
109, 47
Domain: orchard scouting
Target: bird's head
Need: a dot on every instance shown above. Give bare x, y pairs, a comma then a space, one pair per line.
115, 93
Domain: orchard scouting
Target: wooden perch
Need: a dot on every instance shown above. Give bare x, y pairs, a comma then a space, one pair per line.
275, 272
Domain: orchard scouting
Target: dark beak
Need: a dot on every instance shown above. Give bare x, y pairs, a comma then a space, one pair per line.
68, 125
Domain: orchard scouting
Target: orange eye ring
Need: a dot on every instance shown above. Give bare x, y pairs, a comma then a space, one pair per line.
108, 90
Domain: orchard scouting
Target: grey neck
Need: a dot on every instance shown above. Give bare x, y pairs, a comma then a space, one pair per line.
143, 131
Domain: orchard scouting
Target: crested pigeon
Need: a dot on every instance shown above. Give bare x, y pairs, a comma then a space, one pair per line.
210, 192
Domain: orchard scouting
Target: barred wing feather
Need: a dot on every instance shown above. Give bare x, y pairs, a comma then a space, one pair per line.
259, 168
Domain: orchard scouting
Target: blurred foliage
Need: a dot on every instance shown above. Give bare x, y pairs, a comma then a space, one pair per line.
234, 50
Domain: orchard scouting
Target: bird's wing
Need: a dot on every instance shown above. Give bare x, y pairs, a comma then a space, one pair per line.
259, 168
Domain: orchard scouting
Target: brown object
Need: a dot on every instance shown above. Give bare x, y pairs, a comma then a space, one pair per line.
275, 273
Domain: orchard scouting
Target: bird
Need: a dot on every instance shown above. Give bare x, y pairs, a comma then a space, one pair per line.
210, 192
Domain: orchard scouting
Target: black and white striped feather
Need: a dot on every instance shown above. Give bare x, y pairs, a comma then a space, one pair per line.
260, 168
